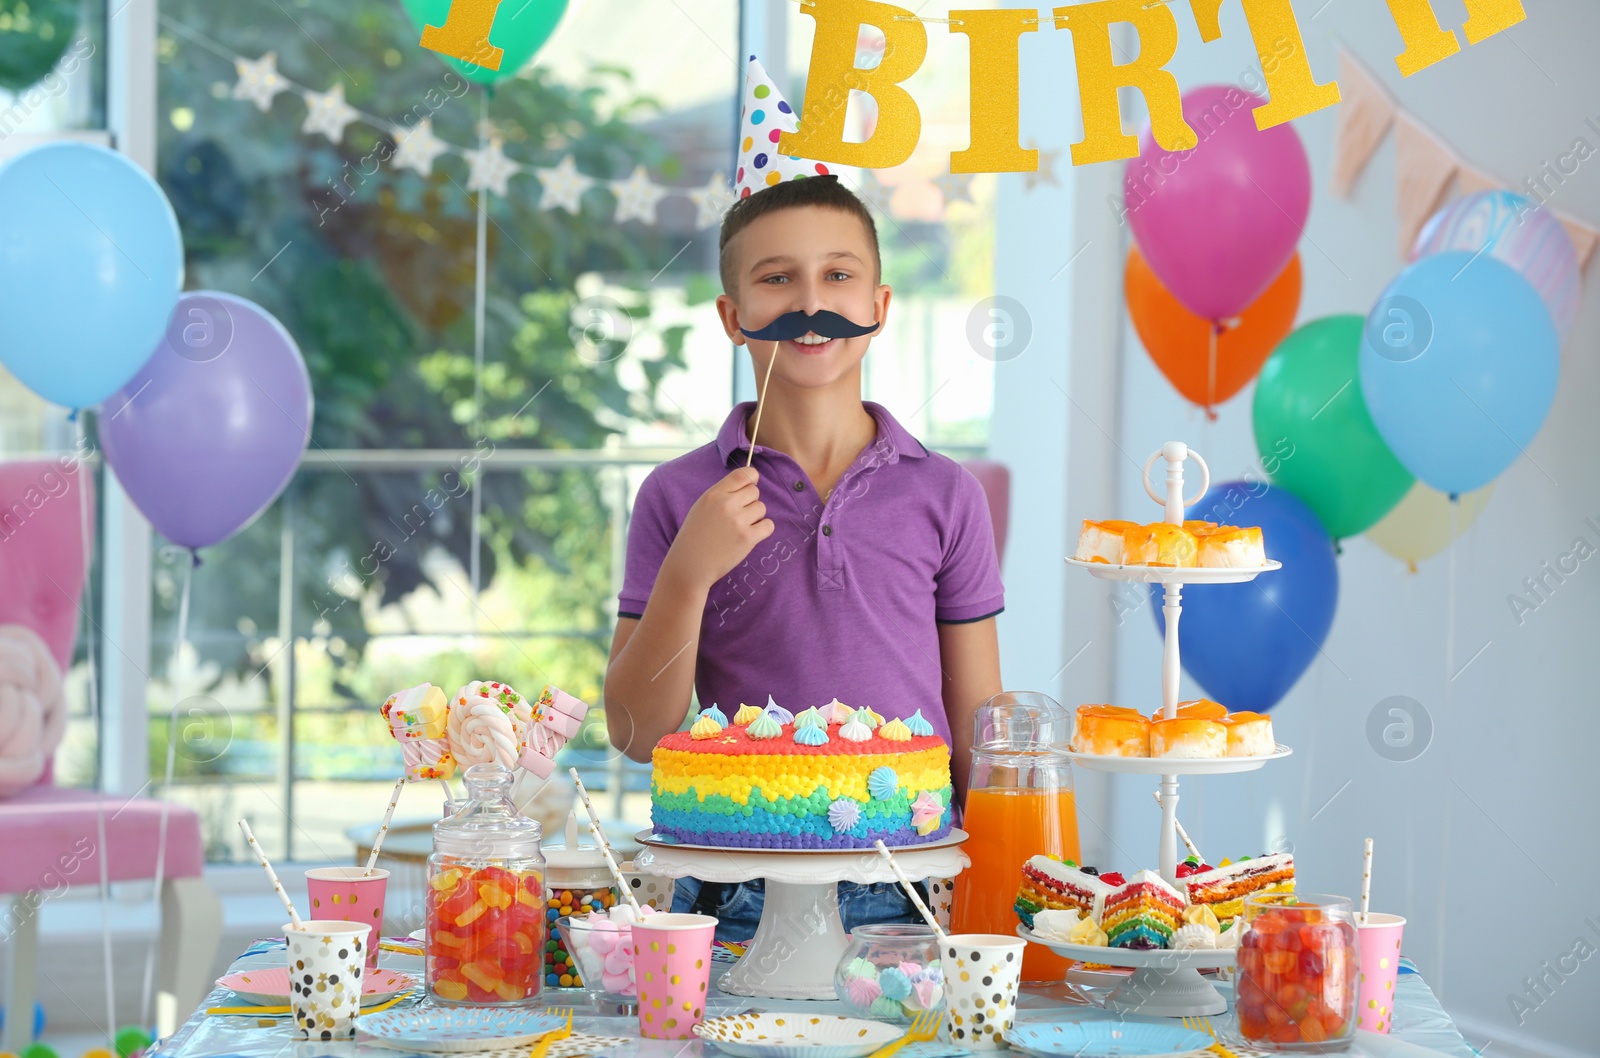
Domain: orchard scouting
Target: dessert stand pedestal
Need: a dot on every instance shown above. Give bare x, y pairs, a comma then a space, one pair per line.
1165, 981
801, 936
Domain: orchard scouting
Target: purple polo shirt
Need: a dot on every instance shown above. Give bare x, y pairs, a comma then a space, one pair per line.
843, 599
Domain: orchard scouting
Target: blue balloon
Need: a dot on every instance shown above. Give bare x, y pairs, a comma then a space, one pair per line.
91, 264
1459, 361
1247, 644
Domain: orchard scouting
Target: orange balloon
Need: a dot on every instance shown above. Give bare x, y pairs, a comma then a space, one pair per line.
1179, 341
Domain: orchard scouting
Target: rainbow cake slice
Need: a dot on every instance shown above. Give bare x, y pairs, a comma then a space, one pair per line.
1224, 888
1052, 884
822, 781
1143, 913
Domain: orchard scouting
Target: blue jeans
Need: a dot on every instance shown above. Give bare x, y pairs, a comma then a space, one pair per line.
737, 905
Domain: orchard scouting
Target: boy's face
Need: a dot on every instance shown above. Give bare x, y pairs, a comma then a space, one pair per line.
804, 259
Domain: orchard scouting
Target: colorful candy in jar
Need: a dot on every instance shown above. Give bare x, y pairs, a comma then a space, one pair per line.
560, 967
486, 897
579, 884
1297, 968
486, 934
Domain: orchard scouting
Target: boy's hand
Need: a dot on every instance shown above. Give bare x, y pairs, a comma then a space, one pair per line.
721, 529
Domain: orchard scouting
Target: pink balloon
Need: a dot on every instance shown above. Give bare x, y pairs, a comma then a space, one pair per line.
1219, 222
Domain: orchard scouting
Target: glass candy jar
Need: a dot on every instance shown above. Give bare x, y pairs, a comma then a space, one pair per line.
1297, 973
890, 973
486, 899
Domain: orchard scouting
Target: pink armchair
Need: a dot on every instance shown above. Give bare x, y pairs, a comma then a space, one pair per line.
995, 477
49, 834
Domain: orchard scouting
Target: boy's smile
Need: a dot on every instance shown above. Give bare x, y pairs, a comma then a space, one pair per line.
805, 260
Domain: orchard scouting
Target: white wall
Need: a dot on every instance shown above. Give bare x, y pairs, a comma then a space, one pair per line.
1487, 842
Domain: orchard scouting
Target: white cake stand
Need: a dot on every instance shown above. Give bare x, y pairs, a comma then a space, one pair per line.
801, 936
1172, 579
1165, 982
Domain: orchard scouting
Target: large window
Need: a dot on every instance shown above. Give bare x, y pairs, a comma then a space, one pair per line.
448, 523
462, 509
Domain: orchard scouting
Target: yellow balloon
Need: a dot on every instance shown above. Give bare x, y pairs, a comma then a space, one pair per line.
1419, 526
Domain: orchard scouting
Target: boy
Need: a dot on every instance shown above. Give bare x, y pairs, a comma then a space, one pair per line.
847, 562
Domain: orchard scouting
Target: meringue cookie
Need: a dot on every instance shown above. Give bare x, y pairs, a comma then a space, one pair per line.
1193, 935
855, 731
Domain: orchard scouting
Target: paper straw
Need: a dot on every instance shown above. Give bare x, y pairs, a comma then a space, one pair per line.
377, 842
605, 849
1366, 881
761, 402
1182, 833
911, 891
272, 875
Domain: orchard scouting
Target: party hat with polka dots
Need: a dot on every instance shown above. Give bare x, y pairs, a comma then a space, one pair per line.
763, 117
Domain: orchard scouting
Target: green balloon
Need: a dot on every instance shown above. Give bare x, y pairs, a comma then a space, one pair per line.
34, 36
521, 28
1314, 432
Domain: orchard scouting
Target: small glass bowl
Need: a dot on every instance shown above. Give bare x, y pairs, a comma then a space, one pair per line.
578, 933
891, 973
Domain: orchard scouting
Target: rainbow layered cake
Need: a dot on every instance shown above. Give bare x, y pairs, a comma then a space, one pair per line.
1224, 888
1143, 913
830, 777
1049, 884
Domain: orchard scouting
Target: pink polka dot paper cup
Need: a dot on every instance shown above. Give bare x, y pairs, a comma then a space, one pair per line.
1378, 948
353, 895
672, 967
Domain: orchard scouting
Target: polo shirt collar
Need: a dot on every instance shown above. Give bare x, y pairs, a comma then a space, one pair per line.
894, 439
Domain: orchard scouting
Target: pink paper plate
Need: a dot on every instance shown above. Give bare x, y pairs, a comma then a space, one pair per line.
269, 987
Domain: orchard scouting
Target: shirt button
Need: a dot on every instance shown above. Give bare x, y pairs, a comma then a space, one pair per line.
799, 486
827, 530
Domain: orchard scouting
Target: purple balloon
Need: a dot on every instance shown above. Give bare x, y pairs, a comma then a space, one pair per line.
1219, 222
1514, 229
210, 431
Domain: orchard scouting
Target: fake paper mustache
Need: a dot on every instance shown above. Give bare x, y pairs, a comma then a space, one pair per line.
822, 322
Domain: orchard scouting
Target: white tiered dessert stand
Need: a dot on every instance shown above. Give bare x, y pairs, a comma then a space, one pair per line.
801, 936
1166, 982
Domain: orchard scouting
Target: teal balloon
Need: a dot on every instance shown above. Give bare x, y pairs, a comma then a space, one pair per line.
1459, 364
91, 265
1313, 431
520, 29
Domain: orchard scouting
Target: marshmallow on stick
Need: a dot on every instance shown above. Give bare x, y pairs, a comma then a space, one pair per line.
547, 726
482, 726
418, 720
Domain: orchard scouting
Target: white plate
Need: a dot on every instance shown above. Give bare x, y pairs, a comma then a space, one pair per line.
649, 839
786, 1035
1160, 958
439, 1028
1177, 765
1179, 574
1106, 1039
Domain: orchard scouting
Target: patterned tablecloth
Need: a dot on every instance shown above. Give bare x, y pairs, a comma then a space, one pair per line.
1422, 1028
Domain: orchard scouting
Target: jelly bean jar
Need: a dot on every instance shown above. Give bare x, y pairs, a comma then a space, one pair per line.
1297, 973
486, 922
577, 882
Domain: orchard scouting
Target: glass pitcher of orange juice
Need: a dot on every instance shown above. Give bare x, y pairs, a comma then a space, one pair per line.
1019, 804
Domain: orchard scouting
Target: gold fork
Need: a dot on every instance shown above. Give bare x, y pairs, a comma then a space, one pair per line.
924, 1027
1204, 1025
561, 1032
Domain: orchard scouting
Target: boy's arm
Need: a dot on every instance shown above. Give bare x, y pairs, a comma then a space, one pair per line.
650, 677
969, 655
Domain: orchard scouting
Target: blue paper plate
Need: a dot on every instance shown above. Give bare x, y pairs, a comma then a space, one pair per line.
432, 1028
1106, 1039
